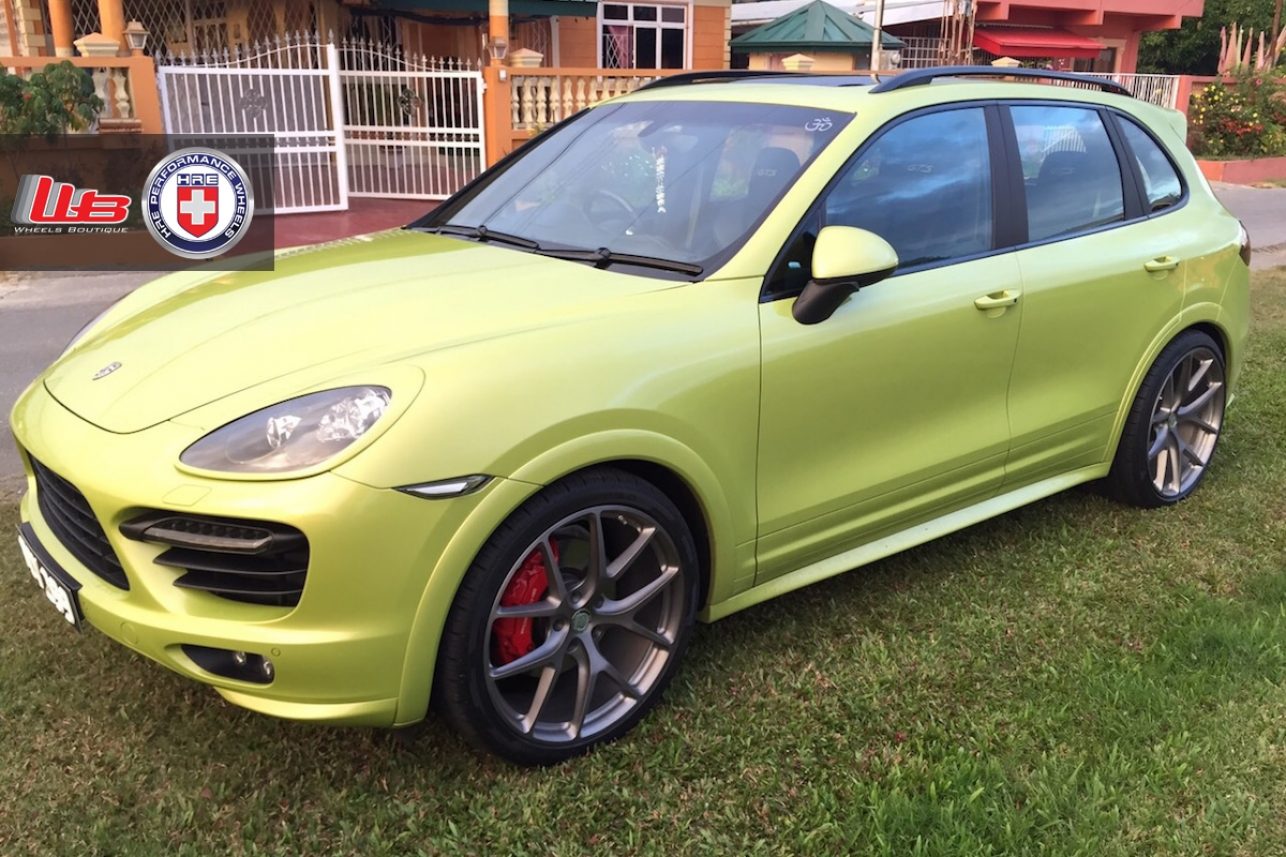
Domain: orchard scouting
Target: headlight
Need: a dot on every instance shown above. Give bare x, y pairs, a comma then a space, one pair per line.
293, 435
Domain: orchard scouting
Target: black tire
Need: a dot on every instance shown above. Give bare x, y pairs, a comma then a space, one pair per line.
465, 691
1131, 479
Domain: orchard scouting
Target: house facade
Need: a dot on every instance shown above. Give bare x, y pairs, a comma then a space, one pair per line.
631, 34
1075, 35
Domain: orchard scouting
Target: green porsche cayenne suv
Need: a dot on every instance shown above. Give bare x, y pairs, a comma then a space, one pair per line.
688, 350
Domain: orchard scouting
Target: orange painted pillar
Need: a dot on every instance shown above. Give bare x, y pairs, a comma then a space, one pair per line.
60, 25
498, 25
111, 21
1183, 93
497, 115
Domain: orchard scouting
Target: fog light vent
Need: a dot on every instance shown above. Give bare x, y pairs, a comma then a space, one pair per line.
242, 666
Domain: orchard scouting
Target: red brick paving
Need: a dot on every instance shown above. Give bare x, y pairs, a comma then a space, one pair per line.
363, 215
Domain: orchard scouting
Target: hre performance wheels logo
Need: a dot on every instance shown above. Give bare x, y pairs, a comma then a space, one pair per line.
198, 203
45, 206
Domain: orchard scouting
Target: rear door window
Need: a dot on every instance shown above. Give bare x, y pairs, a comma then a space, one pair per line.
1071, 176
1161, 182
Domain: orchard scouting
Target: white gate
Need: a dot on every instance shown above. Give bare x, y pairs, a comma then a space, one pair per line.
287, 91
413, 124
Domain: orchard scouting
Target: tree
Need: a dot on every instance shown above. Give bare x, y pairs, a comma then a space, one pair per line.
57, 99
1194, 47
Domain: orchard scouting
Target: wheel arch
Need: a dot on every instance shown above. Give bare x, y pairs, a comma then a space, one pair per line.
662, 461
682, 495
1206, 318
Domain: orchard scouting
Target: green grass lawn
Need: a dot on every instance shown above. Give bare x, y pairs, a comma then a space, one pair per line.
1075, 678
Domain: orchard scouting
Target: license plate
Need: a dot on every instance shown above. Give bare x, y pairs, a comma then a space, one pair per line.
58, 586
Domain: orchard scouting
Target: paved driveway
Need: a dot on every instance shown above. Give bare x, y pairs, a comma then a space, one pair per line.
39, 313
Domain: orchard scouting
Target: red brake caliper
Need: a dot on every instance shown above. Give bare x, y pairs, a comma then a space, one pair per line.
511, 638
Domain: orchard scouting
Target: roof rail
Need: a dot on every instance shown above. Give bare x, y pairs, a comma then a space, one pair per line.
923, 76
716, 76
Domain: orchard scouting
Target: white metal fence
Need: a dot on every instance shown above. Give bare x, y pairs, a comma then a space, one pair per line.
1159, 89
353, 119
413, 124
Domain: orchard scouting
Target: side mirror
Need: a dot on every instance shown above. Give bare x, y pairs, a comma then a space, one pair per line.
845, 259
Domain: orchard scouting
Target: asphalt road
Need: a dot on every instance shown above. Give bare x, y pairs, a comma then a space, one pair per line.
39, 313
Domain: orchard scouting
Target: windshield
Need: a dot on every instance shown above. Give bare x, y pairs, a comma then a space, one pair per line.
674, 180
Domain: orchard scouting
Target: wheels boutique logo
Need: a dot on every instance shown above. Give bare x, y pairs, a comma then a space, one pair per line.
46, 206
198, 203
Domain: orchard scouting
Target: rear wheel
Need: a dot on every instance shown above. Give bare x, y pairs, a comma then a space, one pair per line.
571, 621
1173, 428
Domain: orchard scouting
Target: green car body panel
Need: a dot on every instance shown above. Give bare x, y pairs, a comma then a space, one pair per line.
528, 368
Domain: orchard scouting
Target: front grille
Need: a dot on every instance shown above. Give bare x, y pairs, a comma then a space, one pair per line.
257, 562
67, 513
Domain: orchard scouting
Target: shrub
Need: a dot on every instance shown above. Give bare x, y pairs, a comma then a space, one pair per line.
1247, 118
57, 99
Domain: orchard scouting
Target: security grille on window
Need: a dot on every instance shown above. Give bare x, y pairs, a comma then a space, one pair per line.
635, 35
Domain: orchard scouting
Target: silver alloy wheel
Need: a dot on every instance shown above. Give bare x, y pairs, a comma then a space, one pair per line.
603, 632
1186, 420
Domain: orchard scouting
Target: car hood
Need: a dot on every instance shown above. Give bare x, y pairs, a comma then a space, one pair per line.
332, 308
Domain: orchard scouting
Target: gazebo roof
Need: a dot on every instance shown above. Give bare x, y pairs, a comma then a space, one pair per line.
819, 26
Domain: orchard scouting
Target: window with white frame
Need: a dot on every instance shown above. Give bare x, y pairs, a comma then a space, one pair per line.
643, 35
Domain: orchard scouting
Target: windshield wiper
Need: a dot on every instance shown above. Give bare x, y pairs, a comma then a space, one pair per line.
602, 257
482, 233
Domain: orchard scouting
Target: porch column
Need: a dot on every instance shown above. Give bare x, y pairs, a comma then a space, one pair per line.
111, 20
60, 25
497, 26
497, 112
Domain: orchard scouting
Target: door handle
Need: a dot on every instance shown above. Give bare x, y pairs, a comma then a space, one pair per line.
1161, 263
998, 300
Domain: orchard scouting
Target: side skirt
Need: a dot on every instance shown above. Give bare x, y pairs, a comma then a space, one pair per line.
908, 538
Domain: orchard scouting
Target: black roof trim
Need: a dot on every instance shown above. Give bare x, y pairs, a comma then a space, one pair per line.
923, 76
758, 75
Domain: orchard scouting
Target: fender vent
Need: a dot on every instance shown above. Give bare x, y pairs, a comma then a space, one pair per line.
257, 562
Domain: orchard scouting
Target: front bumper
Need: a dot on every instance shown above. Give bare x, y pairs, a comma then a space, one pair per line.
341, 655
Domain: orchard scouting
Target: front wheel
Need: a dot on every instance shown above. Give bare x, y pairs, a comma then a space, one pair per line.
1173, 427
571, 621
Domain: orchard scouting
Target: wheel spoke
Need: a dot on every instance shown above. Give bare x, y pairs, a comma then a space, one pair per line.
1175, 460
1200, 423
1184, 373
1157, 445
598, 567
630, 604
1200, 401
557, 586
609, 669
627, 557
1169, 396
1194, 377
538, 610
586, 678
548, 653
638, 629
548, 678
1189, 453
1158, 476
